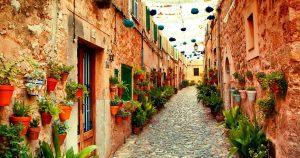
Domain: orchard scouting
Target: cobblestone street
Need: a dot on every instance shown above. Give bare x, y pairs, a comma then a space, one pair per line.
182, 129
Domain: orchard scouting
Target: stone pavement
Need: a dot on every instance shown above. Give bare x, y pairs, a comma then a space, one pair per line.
183, 129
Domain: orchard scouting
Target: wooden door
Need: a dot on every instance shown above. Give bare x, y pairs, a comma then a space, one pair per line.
86, 113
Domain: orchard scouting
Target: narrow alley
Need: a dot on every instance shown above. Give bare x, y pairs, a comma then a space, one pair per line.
183, 129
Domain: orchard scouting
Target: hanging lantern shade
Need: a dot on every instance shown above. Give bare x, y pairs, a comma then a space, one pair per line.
209, 9
184, 43
211, 17
128, 23
193, 40
195, 11
153, 12
195, 54
198, 58
182, 52
183, 29
172, 39
175, 45
184, 55
161, 27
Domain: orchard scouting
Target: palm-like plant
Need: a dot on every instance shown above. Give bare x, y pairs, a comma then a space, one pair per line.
232, 117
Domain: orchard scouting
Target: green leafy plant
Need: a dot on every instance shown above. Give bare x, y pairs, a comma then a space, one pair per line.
249, 74
113, 81
34, 123
168, 91
251, 89
136, 91
54, 70
185, 83
138, 70
275, 79
66, 68
139, 117
145, 82
267, 105
232, 117
20, 109
123, 85
48, 105
157, 97
215, 103
12, 143
35, 72
8, 71
85, 153
148, 108
123, 113
71, 89
260, 76
239, 77
61, 127
115, 102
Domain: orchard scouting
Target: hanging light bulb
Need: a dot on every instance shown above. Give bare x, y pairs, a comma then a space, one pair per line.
153, 12
209, 9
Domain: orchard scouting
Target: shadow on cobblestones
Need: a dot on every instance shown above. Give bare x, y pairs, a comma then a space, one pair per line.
183, 129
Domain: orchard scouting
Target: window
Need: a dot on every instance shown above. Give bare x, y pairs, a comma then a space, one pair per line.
250, 32
196, 71
147, 18
135, 8
155, 32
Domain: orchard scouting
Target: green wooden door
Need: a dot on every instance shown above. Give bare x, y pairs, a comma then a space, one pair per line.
126, 77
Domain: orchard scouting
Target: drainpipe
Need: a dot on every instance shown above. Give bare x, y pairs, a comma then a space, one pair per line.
143, 48
219, 52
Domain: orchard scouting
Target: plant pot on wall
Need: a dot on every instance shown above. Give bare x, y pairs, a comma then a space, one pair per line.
251, 96
118, 119
25, 121
243, 94
120, 92
64, 77
6, 92
137, 130
237, 98
79, 93
114, 110
65, 112
62, 138
34, 87
51, 84
46, 118
135, 97
34, 133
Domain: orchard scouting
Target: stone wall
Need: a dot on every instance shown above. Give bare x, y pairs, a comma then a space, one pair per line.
278, 49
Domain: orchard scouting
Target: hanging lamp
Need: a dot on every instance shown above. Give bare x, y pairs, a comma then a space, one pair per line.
153, 12
182, 52
175, 45
161, 27
184, 43
128, 23
183, 29
209, 9
211, 17
193, 40
195, 11
172, 39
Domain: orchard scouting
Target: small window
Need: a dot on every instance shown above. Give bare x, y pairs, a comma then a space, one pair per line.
196, 71
135, 8
250, 32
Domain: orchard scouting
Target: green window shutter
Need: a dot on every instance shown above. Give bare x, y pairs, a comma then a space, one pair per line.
116, 72
126, 77
160, 42
155, 32
147, 18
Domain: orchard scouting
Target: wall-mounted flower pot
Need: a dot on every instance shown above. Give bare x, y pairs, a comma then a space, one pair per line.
135, 97
65, 112
251, 96
142, 77
243, 94
126, 117
275, 88
120, 104
137, 130
34, 133
195, 11
62, 138
79, 93
51, 84
237, 98
128, 23
25, 121
46, 118
113, 89
6, 92
114, 110
120, 92
118, 119
137, 77
64, 77
34, 87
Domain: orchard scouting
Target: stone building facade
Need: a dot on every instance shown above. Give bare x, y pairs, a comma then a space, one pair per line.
74, 32
260, 36
195, 69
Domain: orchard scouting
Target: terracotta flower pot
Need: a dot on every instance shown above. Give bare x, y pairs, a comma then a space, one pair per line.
46, 118
64, 76
25, 121
137, 130
275, 88
137, 77
251, 96
79, 93
243, 94
145, 87
51, 84
6, 92
120, 104
113, 89
34, 133
146, 94
135, 97
118, 119
142, 77
125, 117
219, 118
65, 112
62, 138
114, 110
120, 92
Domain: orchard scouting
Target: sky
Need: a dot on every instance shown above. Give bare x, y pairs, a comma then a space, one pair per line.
176, 14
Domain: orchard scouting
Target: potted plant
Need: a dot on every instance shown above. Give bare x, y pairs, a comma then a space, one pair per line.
276, 82
34, 129
114, 106
237, 96
65, 71
121, 88
138, 120
66, 109
62, 131
240, 78
75, 90
48, 109
113, 81
251, 93
260, 76
124, 114
132, 106
8, 74
138, 74
249, 75
136, 94
54, 75
118, 117
21, 115
267, 105
145, 84
243, 93
35, 79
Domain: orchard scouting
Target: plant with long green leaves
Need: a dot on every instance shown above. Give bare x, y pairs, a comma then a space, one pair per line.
113, 81
148, 108
232, 117
20, 109
48, 105
139, 117
54, 70
123, 85
72, 88
157, 97
66, 68
8, 71
62, 127
267, 105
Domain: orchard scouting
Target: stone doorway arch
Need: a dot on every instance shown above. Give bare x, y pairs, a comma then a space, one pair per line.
228, 70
